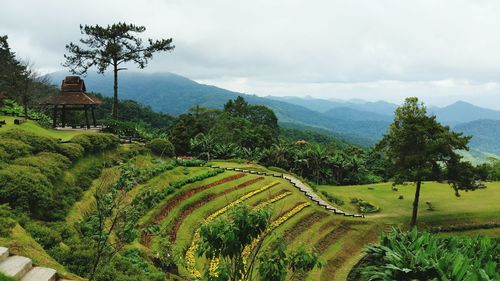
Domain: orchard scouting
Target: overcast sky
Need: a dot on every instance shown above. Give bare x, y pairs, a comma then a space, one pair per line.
441, 51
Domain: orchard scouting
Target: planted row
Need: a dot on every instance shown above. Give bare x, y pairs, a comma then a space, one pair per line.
191, 252
190, 208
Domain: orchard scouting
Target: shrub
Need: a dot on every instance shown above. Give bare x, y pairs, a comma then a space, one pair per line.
12, 108
25, 188
133, 150
161, 147
4, 156
46, 236
121, 128
71, 150
96, 142
50, 164
191, 162
7, 220
37, 142
364, 206
333, 199
14, 148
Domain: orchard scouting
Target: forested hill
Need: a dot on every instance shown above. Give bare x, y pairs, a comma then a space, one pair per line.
357, 122
174, 94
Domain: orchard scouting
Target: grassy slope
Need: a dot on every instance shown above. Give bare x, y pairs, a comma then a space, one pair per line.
21, 243
32, 126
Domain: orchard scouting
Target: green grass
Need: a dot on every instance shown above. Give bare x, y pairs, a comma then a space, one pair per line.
34, 127
21, 243
478, 206
6, 278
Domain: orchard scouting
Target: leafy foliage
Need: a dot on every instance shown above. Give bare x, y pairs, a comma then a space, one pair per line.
419, 148
161, 147
424, 256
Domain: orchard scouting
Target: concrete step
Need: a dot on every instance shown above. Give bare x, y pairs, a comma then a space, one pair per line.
4, 254
15, 266
40, 274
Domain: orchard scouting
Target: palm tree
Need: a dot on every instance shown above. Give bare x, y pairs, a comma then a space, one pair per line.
317, 158
202, 145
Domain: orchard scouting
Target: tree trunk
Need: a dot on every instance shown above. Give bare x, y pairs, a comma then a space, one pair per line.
115, 91
415, 205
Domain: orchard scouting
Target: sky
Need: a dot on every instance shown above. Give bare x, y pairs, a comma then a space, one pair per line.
439, 50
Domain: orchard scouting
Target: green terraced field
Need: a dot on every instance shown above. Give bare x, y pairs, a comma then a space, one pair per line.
339, 240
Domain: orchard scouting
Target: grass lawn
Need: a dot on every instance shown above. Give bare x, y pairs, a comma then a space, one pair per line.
33, 127
480, 206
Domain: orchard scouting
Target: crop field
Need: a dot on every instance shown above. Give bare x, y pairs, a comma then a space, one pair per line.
339, 240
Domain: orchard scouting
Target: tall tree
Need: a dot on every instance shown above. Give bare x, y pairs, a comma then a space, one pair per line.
420, 148
112, 45
13, 77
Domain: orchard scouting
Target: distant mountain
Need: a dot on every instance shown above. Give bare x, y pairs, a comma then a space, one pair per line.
460, 112
347, 113
324, 105
485, 134
319, 105
174, 94
356, 121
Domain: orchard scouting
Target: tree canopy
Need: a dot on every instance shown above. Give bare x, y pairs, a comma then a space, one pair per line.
419, 148
113, 46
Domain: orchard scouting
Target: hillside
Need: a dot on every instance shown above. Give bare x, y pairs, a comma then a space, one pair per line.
174, 94
485, 134
358, 122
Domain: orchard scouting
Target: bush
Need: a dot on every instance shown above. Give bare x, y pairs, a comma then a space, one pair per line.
364, 206
44, 235
50, 164
191, 163
333, 199
161, 147
7, 220
10, 107
4, 156
96, 142
25, 188
37, 142
71, 150
121, 128
14, 149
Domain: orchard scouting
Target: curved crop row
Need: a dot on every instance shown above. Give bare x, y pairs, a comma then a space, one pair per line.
185, 213
272, 200
249, 248
170, 204
302, 225
175, 201
191, 252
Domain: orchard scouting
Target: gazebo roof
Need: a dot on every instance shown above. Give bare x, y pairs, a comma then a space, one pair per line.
72, 93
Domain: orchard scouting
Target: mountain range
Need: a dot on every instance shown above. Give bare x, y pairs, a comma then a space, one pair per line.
355, 121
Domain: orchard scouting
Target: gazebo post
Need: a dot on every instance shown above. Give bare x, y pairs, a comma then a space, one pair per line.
63, 116
54, 117
86, 117
93, 115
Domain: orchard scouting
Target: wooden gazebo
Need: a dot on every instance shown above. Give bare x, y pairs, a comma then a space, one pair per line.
72, 97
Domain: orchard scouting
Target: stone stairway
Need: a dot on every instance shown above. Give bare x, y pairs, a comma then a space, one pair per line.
301, 186
22, 268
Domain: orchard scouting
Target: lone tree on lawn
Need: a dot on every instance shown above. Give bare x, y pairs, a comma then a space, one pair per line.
420, 148
112, 46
